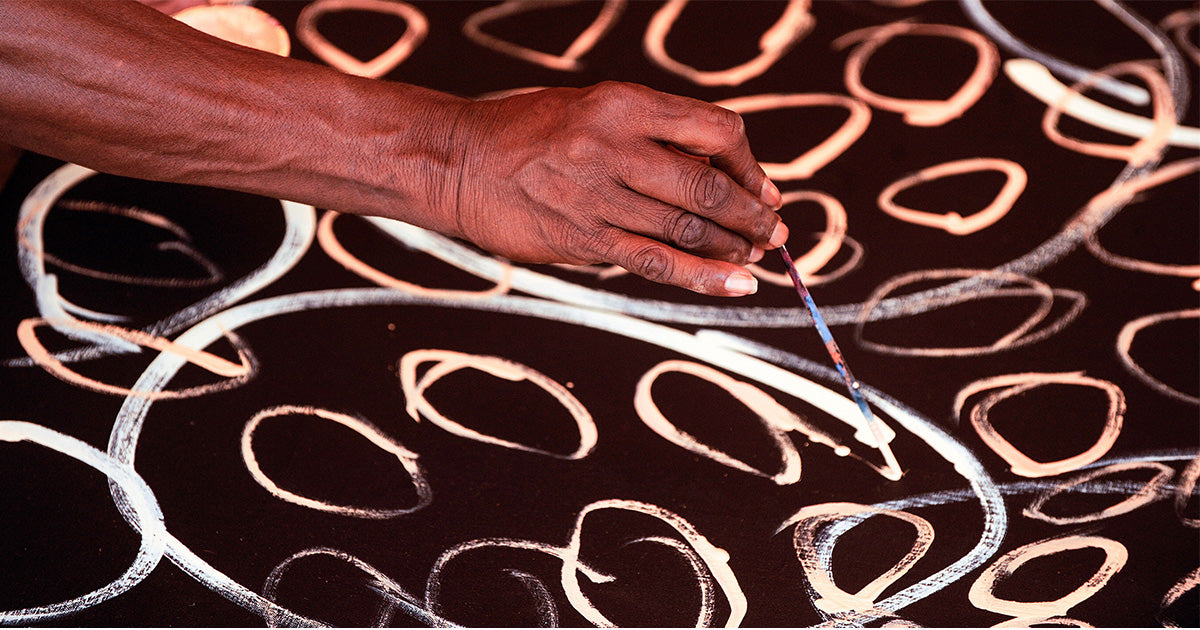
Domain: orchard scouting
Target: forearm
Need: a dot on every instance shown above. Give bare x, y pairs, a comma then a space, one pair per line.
123, 89
601, 174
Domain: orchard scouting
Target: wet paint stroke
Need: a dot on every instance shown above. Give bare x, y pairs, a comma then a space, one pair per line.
808, 521
568, 60
775, 418
182, 244
977, 11
1147, 146
983, 595
1148, 493
448, 361
919, 112
433, 584
144, 512
235, 374
1126, 339
820, 553
953, 222
793, 24
1010, 385
329, 242
70, 319
811, 161
1185, 584
415, 29
390, 591
1128, 191
407, 459
130, 420
1027, 332
714, 559
1039, 82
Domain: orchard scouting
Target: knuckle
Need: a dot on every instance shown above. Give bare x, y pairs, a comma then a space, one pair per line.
615, 88
710, 190
610, 95
584, 149
574, 244
593, 244
652, 262
728, 123
688, 231
750, 172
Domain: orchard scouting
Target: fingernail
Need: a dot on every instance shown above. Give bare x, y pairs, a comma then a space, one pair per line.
770, 194
740, 283
756, 253
780, 235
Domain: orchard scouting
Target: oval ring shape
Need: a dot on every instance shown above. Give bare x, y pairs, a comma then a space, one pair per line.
982, 593
953, 222
448, 361
918, 112
407, 458
791, 27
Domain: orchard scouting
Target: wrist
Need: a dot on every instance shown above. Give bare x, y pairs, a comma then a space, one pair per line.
383, 149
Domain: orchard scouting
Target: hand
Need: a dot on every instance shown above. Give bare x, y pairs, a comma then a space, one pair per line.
606, 174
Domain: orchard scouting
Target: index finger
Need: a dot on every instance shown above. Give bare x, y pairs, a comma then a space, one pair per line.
717, 133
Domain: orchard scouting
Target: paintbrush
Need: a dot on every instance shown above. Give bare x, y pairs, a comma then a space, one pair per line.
892, 471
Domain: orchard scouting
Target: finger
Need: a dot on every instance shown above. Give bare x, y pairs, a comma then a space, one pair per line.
685, 230
704, 191
711, 131
659, 262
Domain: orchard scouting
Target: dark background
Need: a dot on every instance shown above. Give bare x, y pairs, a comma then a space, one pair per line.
63, 537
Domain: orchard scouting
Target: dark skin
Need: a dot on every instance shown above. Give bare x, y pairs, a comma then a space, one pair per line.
661, 185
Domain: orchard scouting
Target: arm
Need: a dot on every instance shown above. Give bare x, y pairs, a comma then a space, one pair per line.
563, 175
